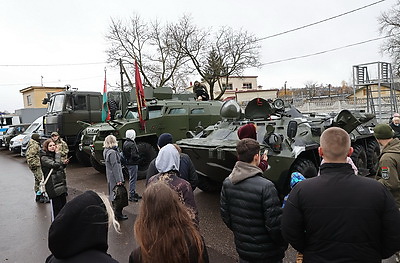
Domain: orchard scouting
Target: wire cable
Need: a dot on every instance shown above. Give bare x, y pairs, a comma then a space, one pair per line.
325, 51
54, 65
319, 22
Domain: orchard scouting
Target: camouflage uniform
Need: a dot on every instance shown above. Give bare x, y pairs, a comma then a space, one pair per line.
33, 160
389, 168
63, 149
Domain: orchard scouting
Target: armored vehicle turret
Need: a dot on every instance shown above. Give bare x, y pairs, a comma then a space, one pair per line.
291, 138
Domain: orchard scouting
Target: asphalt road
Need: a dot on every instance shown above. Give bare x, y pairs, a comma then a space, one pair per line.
24, 224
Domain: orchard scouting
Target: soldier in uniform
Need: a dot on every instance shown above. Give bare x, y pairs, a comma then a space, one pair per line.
62, 146
33, 160
389, 160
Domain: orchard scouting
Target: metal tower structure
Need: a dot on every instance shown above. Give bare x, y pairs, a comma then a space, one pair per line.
377, 78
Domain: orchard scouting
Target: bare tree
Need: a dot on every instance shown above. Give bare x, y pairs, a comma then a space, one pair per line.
310, 87
150, 44
390, 26
216, 58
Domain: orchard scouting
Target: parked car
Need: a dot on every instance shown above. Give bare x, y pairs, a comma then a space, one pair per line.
13, 131
16, 142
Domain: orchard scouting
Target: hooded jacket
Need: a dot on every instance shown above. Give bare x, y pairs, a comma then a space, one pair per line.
250, 207
129, 149
341, 217
79, 232
389, 168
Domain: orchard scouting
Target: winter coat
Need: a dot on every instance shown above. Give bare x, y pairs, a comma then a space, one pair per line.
33, 154
396, 129
250, 207
187, 170
79, 233
113, 169
182, 187
57, 183
131, 152
341, 217
389, 168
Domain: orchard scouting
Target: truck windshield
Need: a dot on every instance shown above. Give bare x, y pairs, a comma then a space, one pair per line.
56, 104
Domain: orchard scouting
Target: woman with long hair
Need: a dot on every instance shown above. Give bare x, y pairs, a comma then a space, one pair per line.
164, 230
56, 185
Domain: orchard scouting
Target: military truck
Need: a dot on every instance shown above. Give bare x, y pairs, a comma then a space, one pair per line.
64, 112
173, 116
70, 111
291, 138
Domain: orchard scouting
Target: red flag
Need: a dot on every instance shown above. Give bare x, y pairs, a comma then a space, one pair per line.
105, 113
139, 96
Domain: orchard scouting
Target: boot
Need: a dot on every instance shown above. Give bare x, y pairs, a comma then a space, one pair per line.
44, 199
119, 216
136, 197
37, 198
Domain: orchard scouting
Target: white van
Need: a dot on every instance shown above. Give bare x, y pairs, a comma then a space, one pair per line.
35, 127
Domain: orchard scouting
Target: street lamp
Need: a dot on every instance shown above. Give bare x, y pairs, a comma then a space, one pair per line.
284, 85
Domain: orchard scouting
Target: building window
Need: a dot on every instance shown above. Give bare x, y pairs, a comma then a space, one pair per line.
29, 100
229, 87
247, 86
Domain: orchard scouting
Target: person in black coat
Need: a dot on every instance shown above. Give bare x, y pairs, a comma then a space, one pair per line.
187, 171
251, 208
338, 216
79, 233
56, 185
131, 154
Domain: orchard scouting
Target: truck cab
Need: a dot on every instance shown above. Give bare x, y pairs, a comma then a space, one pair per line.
66, 110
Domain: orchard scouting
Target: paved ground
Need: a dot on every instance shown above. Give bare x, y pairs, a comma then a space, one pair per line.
24, 224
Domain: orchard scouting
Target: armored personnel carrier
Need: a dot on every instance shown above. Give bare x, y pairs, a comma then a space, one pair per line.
291, 138
172, 116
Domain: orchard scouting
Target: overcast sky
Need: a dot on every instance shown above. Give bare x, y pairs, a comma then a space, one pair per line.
48, 32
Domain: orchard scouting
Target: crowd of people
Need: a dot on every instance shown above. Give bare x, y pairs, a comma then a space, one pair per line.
336, 216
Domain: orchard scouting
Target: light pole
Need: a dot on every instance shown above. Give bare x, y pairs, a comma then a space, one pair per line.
284, 85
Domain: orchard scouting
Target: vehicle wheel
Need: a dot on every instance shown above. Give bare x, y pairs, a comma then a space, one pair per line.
82, 157
373, 152
359, 157
99, 167
305, 167
207, 185
146, 153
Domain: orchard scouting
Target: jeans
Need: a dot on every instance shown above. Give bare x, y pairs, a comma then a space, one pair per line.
133, 169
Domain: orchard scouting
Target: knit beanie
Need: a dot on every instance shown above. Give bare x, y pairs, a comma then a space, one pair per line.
247, 131
383, 131
164, 139
130, 134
